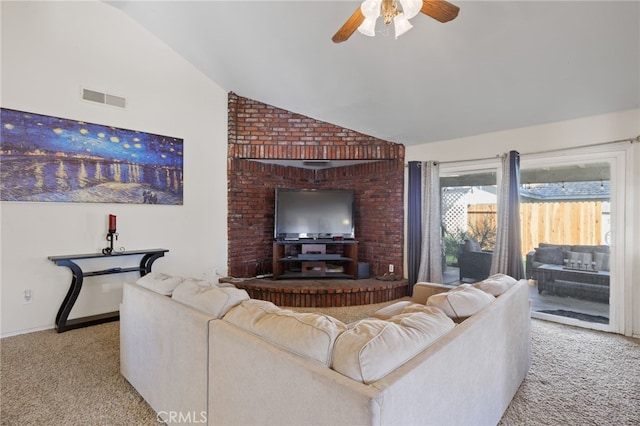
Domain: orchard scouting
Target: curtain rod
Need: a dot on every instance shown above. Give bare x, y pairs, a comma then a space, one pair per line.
631, 140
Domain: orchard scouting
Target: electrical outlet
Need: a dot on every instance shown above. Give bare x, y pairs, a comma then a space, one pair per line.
391, 268
28, 296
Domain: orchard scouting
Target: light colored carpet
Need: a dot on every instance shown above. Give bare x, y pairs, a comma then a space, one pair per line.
577, 377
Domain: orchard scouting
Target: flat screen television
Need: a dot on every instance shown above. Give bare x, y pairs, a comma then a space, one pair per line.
313, 213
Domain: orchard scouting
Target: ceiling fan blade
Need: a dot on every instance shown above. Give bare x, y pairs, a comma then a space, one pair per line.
439, 10
349, 27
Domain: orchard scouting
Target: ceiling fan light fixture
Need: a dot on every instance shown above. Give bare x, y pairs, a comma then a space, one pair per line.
401, 24
371, 11
368, 27
411, 8
365, 16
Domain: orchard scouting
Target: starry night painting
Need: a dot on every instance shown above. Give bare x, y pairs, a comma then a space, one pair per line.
50, 159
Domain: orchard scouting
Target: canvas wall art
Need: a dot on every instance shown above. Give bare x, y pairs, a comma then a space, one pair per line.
51, 159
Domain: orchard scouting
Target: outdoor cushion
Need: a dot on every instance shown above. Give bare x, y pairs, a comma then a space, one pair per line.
551, 255
373, 347
589, 249
602, 261
308, 335
471, 245
584, 258
461, 301
564, 247
160, 283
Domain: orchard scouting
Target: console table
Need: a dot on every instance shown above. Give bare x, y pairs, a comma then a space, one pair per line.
62, 324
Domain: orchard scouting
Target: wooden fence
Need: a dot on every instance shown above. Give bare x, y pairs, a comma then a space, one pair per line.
556, 223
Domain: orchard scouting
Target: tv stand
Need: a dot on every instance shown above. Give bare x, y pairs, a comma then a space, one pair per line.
289, 261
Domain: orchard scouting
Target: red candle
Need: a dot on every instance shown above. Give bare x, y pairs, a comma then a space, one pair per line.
112, 223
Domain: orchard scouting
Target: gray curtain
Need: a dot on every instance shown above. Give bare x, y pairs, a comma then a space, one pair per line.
507, 255
414, 222
431, 251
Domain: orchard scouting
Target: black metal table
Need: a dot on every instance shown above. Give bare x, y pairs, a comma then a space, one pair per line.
62, 323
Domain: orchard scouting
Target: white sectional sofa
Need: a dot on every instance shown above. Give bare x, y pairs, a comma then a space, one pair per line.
248, 362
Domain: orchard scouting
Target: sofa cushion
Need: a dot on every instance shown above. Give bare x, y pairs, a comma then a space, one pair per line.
551, 255
309, 335
602, 261
564, 247
199, 294
373, 348
590, 249
585, 258
393, 309
471, 245
160, 283
496, 284
461, 301
401, 307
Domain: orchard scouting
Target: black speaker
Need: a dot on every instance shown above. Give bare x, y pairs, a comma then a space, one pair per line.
363, 270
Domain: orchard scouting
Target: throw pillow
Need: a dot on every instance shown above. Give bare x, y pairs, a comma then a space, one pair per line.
579, 259
160, 283
550, 255
309, 335
602, 261
206, 298
461, 302
496, 284
373, 347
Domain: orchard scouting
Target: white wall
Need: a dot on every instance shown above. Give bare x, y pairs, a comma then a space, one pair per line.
49, 51
566, 134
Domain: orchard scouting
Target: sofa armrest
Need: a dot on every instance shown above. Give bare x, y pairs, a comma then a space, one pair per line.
422, 291
163, 350
529, 264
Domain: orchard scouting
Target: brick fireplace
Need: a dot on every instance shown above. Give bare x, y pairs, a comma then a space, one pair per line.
259, 134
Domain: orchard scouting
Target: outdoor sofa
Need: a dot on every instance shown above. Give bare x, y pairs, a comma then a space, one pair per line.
581, 271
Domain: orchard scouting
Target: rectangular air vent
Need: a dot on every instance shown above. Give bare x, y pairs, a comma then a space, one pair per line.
104, 98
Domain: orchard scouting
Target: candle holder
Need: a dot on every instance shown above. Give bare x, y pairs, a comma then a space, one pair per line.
111, 235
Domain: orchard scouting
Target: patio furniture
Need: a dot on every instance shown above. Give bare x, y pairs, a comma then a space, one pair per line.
563, 254
473, 262
582, 284
580, 271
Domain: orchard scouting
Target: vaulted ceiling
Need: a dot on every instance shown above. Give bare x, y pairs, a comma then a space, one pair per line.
499, 65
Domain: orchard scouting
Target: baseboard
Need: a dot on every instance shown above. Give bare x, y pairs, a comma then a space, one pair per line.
27, 331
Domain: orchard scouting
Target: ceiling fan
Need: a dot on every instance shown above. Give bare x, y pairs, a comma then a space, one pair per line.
364, 18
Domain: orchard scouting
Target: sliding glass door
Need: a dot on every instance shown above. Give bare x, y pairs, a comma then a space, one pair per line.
575, 207
566, 229
468, 200
574, 234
